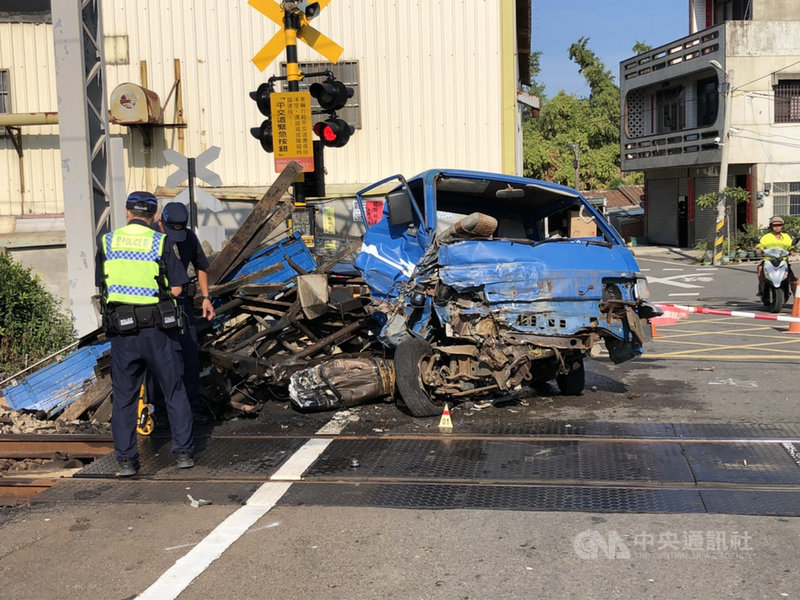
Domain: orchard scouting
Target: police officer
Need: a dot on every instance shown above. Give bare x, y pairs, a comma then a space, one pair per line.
173, 222
139, 275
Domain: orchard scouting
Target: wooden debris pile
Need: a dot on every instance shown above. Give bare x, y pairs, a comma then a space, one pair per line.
279, 312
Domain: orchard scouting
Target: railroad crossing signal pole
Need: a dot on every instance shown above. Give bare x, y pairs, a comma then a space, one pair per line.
291, 26
294, 24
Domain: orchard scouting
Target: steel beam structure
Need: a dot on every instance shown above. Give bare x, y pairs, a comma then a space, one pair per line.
83, 134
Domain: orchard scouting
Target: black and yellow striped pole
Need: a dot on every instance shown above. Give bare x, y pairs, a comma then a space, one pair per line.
719, 236
291, 25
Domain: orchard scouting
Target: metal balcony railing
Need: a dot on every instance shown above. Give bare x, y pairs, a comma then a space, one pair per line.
674, 54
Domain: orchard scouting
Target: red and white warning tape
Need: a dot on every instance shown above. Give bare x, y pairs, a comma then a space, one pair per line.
729, 313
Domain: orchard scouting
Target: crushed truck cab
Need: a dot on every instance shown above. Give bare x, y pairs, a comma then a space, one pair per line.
485, 283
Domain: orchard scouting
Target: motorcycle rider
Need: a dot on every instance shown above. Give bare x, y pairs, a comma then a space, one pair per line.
775, 238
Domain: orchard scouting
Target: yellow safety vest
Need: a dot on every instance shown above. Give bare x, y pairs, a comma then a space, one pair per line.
130, 265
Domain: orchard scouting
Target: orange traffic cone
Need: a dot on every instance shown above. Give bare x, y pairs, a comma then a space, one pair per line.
445, 422
655, 333
794, 326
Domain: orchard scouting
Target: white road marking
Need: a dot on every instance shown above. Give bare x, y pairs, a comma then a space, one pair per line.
685, 294
735, 383
178, 577
667, 269
793, 452
671, 281
297, 463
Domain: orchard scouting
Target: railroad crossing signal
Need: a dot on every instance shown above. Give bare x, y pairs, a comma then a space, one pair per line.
263, 133
275, 12
332, 95
189, 168
334, 133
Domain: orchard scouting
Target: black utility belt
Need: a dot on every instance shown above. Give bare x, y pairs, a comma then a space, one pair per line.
127, 318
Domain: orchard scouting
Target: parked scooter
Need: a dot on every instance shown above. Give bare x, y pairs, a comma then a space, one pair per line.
776, 289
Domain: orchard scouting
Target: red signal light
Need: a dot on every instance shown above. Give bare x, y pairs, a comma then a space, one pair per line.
334, 133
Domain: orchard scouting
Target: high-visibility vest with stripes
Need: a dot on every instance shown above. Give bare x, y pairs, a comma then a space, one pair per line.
131, 264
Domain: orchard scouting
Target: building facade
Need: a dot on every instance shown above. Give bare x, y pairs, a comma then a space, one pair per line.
724, 99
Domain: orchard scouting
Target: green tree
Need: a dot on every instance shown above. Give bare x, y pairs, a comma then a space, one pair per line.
592, 123
641, 48
32, 325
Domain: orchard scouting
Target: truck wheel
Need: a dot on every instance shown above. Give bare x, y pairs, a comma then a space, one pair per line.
572, 383
407, 360
776, 302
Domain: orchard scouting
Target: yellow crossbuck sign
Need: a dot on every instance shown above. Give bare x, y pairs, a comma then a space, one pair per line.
275, 12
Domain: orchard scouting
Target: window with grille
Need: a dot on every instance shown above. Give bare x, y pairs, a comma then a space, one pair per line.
669, 110
787, 101
786, 198
5, 93
346, 72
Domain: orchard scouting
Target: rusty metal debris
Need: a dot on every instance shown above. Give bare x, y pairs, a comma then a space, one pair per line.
281, 318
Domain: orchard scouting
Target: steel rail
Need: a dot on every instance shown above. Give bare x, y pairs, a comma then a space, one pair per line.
46, 445
15, 491
512, 438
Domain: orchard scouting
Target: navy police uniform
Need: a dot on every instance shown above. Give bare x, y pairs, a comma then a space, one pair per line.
175, 217
130, 268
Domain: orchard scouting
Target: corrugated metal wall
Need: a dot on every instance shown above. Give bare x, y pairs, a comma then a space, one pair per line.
430, 84
429, 80
26, 50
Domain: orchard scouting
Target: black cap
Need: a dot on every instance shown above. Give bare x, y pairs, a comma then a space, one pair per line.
142, 201
174, 217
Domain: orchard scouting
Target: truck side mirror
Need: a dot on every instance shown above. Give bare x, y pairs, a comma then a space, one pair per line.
400, 209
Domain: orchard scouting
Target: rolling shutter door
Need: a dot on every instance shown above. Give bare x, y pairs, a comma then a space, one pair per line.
662, 211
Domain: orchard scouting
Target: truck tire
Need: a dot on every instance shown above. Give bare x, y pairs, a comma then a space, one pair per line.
407, 359
572, 383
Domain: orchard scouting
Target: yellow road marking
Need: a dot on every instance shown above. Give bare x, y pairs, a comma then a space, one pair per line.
705, 356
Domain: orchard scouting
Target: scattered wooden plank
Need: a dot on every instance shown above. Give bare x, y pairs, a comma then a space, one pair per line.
103, 412
93, 396
228, 258
277, 218
218, 290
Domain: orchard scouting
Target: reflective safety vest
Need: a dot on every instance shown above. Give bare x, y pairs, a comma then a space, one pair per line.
130, 264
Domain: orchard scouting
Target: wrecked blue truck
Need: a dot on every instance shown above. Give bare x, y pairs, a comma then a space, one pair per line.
486, 283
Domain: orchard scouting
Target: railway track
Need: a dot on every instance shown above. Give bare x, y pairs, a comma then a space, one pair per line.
679, 472
629, 473
18, 487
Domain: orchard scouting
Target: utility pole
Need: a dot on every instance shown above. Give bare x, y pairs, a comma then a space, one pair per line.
727, 91
576, 164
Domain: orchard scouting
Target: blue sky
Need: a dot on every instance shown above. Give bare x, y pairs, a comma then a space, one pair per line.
613, 27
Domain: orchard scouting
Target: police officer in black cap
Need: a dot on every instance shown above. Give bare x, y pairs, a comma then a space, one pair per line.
173, 222
139, 274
